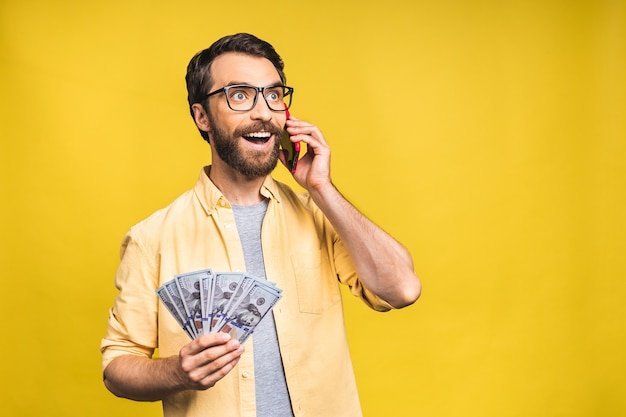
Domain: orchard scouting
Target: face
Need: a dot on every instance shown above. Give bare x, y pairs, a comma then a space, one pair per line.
248, 318
247, 142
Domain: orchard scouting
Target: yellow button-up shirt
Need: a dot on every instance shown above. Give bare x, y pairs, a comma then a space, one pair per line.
303, 255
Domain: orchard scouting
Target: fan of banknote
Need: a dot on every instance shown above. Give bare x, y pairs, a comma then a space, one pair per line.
205, 302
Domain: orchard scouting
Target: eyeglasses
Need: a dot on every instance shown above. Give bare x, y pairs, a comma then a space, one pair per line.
243, 97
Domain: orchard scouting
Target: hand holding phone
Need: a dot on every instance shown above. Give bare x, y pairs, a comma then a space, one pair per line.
291, 150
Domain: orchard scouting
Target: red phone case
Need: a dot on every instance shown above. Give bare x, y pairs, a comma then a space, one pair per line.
291, 149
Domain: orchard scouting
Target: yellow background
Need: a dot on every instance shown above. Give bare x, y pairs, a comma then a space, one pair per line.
488, 136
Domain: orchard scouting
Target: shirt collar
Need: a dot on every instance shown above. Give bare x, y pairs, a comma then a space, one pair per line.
210, 197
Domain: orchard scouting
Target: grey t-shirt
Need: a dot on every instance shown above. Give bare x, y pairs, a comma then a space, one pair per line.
272, 395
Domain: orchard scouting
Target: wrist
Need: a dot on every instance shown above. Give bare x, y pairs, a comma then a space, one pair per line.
322, 189
179, 379
326, 196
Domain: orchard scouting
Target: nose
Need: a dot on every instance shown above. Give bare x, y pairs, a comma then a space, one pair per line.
261, 110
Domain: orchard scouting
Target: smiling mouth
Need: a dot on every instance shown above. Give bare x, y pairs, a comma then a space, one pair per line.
258, 137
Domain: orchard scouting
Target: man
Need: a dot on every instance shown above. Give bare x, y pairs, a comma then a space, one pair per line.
238, 218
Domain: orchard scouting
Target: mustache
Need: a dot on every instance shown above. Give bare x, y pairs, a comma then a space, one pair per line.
257, 127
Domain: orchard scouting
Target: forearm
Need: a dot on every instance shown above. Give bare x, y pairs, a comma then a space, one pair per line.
144, 379
384, 266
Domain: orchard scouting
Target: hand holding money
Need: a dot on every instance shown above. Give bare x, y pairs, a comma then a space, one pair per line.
207, 359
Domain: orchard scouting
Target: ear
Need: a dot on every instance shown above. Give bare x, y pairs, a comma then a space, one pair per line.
200, 117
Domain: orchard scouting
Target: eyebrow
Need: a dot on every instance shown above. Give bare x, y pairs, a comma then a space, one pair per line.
275, 84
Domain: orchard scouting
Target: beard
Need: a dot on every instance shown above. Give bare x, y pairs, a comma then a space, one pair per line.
252, 164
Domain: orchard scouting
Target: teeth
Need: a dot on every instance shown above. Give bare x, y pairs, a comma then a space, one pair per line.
259, 135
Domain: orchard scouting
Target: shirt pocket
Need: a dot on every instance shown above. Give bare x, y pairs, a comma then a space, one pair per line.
317, 286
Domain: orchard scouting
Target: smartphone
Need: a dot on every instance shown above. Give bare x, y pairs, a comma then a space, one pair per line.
291, 150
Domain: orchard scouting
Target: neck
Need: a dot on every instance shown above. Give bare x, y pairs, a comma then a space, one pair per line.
237, 188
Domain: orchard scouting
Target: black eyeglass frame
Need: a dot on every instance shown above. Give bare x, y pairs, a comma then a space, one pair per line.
289, 93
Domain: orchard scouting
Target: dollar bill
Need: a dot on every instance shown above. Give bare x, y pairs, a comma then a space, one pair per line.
206, 296
224, 288
164, 295
264, 298
189, 290
249, 309
169, 305
242, 286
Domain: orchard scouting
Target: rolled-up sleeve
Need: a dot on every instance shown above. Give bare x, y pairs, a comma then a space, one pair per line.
344, 267
132, 323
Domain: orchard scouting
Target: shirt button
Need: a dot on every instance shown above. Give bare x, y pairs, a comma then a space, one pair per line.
245, 374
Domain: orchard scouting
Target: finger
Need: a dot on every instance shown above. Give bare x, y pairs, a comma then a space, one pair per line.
215, 369
305, 129
201, 343
212, 378
205, 349
295, 122
314, 140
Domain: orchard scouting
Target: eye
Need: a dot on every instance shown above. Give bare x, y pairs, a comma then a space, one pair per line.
238, 95
274, 94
